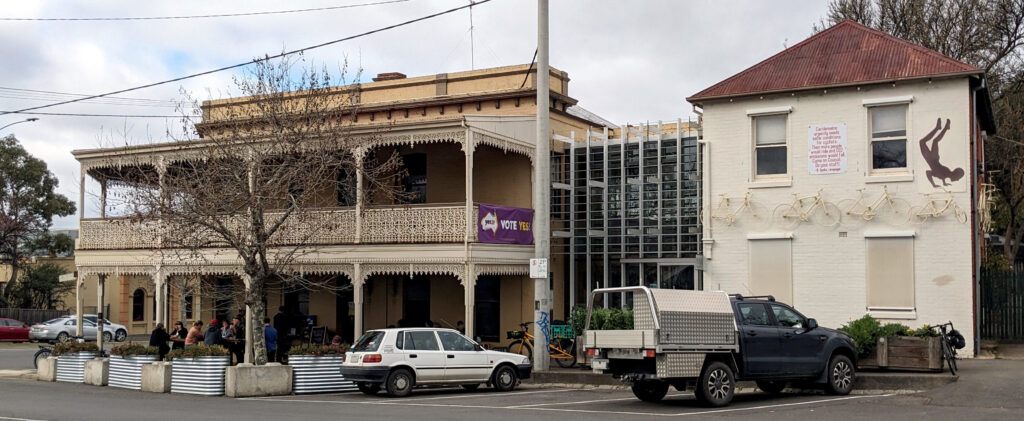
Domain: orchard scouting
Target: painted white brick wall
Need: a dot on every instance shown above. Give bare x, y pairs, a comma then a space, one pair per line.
829, 271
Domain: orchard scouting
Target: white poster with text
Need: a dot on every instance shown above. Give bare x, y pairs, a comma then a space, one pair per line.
826, 148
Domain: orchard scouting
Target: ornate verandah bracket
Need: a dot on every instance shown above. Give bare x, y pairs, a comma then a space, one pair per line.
500, 269
456, 270
505, 144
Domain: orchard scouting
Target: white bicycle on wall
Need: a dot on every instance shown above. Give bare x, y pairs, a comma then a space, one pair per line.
812, 208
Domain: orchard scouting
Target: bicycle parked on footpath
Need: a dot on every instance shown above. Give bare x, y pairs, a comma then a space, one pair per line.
952, 340
562, 347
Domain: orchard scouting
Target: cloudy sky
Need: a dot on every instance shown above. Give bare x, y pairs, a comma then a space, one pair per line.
629, 61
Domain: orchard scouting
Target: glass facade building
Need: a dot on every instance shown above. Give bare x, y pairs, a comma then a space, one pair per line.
625, 209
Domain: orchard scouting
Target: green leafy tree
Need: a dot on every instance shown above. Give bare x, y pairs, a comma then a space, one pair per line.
28, 203
52, 245
988, 34
39, 287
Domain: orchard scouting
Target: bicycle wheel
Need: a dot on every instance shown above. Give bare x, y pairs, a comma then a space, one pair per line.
787, 216
896, 214
917, 215
947, 353
565, 353
827, 215
961, 215
852, 212
522, 348
760, 216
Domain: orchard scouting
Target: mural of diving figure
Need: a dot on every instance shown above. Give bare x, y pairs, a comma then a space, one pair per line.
931, 156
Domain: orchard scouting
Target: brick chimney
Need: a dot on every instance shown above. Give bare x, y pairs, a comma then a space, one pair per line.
389, 76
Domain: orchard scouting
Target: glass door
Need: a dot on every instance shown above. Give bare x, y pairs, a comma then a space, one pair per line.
676, 277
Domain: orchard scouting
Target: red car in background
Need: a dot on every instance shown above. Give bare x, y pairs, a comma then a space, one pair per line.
13, 331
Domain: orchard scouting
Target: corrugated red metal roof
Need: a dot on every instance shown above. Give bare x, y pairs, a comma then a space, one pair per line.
847, 53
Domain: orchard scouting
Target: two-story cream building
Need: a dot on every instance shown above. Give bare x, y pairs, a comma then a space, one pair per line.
465, 139
841, 176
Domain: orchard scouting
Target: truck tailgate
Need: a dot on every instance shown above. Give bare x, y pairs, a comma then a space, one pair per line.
634, 338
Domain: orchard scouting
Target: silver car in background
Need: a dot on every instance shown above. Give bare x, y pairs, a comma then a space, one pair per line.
62, 329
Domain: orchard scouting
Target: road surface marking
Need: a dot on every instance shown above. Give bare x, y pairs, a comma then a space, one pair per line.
18, 419
631, 398
844, 398
405, 401
586, 411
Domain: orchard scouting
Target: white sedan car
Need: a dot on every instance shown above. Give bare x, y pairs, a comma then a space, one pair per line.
399, 359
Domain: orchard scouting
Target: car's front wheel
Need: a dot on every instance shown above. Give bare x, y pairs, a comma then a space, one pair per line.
650, 390
840, 375
399, 383
121, 335
505, 379
368, 388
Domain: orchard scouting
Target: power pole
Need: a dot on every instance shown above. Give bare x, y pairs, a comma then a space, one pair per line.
542, 197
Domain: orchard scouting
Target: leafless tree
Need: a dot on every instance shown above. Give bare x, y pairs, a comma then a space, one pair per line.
988, 34
254, 179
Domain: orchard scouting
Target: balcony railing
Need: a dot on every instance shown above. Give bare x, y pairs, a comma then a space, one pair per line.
380, 225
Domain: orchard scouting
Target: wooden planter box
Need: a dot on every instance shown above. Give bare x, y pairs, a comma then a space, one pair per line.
126, 372
906, 353
318, 374
71, 367
199, 376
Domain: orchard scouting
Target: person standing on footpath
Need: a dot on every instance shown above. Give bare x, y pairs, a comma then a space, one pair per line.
270, 337
178, 336
281, 326
213, 336
159, 339
195, 334
238, 327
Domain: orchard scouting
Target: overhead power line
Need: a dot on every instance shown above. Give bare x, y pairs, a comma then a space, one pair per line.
41, 94
97, 115
223, 15
235, 66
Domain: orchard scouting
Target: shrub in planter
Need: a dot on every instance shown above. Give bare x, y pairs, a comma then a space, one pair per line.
71, 358
62, 348
199, 370
318, 350
129, 349
316, 369
126, 363
867, 330
894, 345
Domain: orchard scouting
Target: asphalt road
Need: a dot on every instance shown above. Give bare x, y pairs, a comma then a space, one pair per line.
987, 390
17, 356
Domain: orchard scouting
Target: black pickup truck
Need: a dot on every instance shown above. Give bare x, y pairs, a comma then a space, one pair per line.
707, 341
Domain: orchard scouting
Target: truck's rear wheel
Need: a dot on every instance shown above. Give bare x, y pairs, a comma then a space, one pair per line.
771, 386
650, 390
717, 385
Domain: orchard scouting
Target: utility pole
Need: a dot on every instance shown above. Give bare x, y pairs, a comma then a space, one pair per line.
99, 311
542, 197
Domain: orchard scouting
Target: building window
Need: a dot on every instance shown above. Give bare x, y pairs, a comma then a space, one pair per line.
138, 305
346, 187
890, 273
415, 181
771, 268
770, 145
888, 137
188, 306
488, 308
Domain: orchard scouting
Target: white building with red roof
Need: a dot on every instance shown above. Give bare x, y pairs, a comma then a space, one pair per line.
842, 176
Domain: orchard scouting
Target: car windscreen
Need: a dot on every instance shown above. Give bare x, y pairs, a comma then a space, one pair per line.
369, 342
52, 321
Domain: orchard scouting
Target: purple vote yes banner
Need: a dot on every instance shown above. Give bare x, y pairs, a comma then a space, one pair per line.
504, 225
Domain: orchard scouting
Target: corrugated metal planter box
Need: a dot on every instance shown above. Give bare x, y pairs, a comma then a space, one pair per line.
199, 376
318, 374
126, 372
71, 367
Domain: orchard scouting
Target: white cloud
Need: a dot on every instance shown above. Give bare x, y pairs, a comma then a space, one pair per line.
628, 61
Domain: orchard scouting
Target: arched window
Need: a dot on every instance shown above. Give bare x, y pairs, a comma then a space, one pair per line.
138, 305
